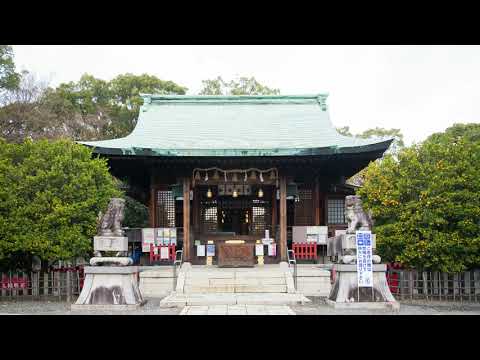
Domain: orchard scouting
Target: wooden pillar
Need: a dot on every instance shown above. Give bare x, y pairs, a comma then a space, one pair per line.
316, 202
186, 219
283, 219
274, 213
196, 207
151, 203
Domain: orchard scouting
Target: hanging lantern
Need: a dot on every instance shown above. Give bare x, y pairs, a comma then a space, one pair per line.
272, 175
209, 193
245, 179
225, 175
260, 193
261, 177
253, 175
235, 177
235, 193
206, 175
215, 176
197, 175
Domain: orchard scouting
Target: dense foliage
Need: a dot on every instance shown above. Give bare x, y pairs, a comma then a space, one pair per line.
244, 86
136, 214
89, 109
9, 79
426, 202
50, 197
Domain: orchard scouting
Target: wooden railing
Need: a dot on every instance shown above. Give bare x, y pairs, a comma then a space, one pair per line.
434, 286
60, 284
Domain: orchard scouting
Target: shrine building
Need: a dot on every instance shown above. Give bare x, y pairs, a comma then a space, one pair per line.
230, 171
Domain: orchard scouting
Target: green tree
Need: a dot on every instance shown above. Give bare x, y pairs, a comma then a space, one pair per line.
244, 86
377, 132
136, 214
345, 130
50, 197
426, 202
9, 79
108, 109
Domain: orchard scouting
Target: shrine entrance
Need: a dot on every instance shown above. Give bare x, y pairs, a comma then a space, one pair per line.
234, 211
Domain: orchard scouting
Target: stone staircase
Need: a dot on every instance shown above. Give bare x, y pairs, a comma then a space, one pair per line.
262, 285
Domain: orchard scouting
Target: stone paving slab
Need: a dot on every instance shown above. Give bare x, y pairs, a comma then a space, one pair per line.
237, 310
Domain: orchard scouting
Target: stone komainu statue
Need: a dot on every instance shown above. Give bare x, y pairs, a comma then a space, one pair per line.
357, 218
110, 223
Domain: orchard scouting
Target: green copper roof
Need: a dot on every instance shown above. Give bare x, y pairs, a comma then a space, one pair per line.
235, 126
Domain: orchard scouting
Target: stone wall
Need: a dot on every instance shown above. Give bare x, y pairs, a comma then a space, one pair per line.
313, 280
156, 283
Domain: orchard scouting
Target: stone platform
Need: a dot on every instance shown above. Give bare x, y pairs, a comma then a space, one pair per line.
210, 285
312, 280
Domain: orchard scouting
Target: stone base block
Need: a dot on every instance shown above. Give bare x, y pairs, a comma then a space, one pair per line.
346, 294
107, 287
76, 307
393, 306
112, 261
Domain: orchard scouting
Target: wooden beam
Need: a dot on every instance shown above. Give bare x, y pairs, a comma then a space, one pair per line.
186, 219
283, 219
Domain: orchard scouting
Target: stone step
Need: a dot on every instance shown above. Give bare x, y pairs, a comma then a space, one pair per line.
180, 300
234, 282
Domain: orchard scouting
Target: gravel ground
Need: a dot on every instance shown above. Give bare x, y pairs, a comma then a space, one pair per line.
63, 308
316, 307
319, 307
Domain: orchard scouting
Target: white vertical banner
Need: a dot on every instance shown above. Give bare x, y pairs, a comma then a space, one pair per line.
148, 237
364, 258
164, 252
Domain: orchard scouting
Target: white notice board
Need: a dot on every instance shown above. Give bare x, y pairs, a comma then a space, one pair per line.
364, 258
259, 249
200, 250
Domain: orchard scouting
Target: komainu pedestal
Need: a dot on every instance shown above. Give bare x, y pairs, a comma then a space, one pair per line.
109, 288
110, 283
345, 291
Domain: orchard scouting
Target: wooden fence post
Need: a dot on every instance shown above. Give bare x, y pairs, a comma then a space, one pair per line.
435, 284
35, 283
69, 286
476, 282
425, 284
400, 283
455, 285
445, 285
467, 284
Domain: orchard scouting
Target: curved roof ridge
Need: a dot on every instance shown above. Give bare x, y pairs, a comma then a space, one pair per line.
266, 125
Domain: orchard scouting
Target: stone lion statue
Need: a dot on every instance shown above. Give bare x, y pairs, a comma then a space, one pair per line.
356, 216
110, 223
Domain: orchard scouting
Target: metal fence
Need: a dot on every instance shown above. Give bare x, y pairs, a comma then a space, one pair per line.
434, 286
61, 284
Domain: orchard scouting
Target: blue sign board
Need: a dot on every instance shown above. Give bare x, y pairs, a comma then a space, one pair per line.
364, 258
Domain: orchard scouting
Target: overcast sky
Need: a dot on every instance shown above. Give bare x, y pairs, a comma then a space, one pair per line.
419, 89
